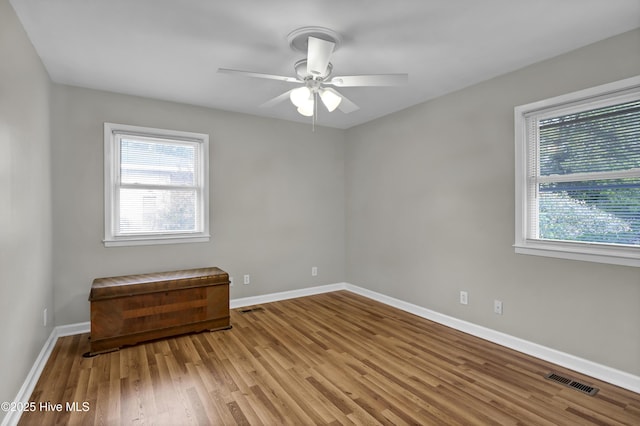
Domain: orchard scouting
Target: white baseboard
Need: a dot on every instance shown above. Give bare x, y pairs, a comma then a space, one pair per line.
72, 329
590, 368
12, 417
292, 294
602, 372
32, 378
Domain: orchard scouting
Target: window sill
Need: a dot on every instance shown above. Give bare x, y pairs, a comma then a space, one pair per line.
156, 240
584, 252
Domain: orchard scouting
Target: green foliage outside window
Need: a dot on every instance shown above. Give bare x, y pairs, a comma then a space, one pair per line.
603, 140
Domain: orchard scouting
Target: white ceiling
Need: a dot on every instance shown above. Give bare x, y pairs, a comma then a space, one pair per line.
171, 49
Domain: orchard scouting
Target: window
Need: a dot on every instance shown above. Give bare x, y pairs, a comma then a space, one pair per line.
578, 175
156, 186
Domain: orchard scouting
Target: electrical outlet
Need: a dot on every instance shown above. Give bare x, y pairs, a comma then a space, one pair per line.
44, 317
230, 281
247, 279
497, 307
464, 298
314, 271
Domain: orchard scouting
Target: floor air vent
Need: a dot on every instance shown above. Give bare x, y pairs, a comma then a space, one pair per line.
589, 390
256, 309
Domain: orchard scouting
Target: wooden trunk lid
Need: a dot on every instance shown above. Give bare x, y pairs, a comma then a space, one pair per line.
131, 285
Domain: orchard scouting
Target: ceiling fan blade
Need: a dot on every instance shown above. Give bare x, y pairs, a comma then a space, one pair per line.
259, 75
345, 105
318, 54
370, 80
275, 101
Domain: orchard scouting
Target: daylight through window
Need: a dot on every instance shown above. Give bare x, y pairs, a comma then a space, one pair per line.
156, 184
578, 183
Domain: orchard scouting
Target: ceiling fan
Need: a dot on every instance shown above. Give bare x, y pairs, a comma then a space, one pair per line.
314, 74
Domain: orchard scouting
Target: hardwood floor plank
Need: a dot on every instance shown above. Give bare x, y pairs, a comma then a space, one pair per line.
270, 411
244, 406
329, 359
277, 382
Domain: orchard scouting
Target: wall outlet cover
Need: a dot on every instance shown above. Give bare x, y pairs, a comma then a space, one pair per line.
497, 307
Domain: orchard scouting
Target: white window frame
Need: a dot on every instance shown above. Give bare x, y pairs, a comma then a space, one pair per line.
112, 134
529, 244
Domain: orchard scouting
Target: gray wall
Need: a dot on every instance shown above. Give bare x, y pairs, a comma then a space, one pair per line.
25, 205
430, 212
277, 196
417, 205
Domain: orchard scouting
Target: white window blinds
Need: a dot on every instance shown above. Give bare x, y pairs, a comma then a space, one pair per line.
158, 190
584, 175
156, 186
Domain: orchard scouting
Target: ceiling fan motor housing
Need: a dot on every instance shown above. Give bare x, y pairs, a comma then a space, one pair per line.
303, 74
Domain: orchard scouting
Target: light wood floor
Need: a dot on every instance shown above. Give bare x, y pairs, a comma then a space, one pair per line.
335, 358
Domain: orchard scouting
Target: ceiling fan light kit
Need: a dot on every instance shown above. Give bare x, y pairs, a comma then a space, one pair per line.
330, 99
307, 110
300, 96
314, 72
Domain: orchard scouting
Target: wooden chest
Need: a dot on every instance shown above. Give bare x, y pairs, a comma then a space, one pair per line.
136, 308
